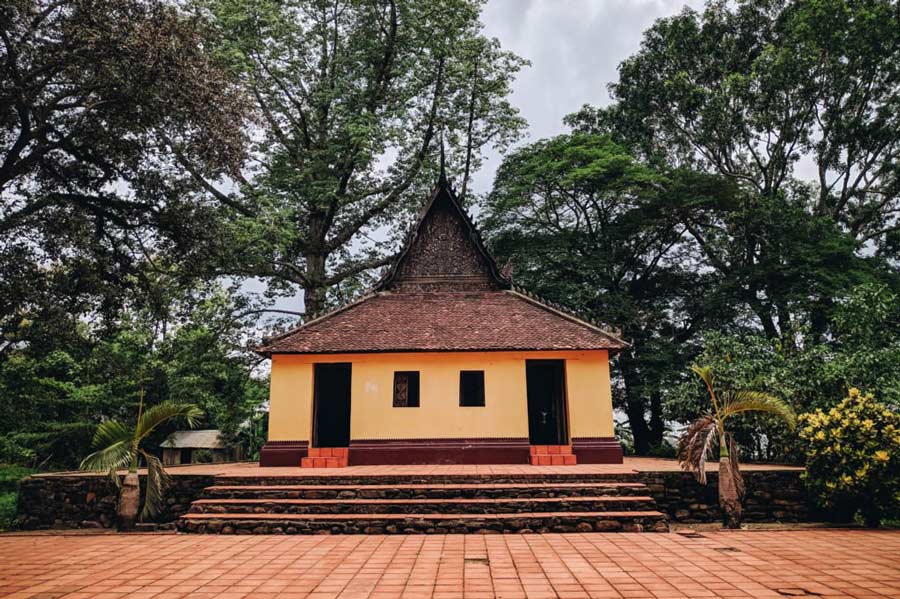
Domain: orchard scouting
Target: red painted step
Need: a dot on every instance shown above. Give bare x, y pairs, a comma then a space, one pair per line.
552, 455
326, 457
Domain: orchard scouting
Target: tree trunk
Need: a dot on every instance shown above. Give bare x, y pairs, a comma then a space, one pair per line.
634, 406
129, 501
657, 426
729, 501
316, 258
314, 292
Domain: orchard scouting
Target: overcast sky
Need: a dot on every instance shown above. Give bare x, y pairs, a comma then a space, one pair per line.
574, 47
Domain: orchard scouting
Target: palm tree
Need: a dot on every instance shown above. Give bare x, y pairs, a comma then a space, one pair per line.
708, 431
119, 446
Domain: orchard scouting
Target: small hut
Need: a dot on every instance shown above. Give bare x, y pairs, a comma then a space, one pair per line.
192, 447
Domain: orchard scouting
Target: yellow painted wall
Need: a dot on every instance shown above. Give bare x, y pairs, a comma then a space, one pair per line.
290, 398
439, 415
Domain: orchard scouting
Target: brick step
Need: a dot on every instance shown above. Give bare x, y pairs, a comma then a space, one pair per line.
427, 523
422, 491
328, 452
551, 455
532, 475
558, 459
326, 457
415, 506
550, 449
322, 462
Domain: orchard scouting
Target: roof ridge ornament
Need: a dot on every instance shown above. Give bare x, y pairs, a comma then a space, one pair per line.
442, 177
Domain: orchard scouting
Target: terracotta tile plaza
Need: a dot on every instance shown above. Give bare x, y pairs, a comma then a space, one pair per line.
805, 563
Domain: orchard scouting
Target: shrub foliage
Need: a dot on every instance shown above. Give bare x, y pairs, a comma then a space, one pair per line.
853, 458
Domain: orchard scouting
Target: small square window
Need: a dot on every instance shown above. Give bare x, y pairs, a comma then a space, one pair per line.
406, 389
471, 388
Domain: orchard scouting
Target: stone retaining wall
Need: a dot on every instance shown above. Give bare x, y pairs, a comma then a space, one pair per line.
81, 500
89, 500
771, 496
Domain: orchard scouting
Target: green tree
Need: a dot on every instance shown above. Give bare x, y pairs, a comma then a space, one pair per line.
119, 446
861, 353
350, 98
607, 227
187, 338
749, 90
709, 431
93, 95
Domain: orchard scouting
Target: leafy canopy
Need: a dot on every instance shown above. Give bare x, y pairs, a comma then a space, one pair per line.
350, 98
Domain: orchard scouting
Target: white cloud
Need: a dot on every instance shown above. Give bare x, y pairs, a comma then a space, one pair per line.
575, 47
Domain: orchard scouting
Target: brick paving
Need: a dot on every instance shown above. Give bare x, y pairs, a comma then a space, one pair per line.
806, 563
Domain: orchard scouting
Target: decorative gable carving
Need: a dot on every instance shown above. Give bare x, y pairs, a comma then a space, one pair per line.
444, 252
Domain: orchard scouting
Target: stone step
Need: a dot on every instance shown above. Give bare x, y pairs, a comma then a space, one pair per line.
425, 523
416, 506
425, 491
553, 474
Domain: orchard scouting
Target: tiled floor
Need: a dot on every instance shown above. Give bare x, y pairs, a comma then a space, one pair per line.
830, 563
632, 464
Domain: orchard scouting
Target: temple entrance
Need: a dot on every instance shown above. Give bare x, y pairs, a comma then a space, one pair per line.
331, 405
547, 418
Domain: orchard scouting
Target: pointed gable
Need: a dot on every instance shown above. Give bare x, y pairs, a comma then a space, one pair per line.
444, 251
443, 293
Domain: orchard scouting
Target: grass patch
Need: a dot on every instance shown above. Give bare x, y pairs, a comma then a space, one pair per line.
10, 475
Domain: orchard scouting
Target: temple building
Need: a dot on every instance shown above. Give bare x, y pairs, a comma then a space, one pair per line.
444, 361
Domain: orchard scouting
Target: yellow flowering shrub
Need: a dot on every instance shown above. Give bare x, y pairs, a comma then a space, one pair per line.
853, 457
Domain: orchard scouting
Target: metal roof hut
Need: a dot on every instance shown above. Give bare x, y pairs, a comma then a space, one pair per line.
192, 447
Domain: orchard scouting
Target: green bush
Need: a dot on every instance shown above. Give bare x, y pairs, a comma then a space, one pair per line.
853, 458
8, 516
10, 475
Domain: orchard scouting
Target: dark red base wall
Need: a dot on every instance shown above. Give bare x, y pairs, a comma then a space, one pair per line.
438, 451
597, 450
588, 450
283, 453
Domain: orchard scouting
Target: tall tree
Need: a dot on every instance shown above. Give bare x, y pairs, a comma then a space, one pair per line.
607, 226
92, 92
351, 97
759, 91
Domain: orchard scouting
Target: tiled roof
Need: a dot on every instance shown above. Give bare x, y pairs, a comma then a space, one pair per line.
444, 321
443, 293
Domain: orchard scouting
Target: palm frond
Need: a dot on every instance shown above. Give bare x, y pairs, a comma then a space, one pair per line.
736, 402
696, 444
111, 458
705, 373
110, 432
157, 482
165, 411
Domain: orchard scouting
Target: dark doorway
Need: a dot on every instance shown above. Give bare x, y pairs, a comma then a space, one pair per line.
331, 405
547, 419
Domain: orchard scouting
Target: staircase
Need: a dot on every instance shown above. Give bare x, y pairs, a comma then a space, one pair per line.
425, 504
552, 455
326, 457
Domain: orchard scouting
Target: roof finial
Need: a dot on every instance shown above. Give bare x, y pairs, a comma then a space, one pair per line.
442, 178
